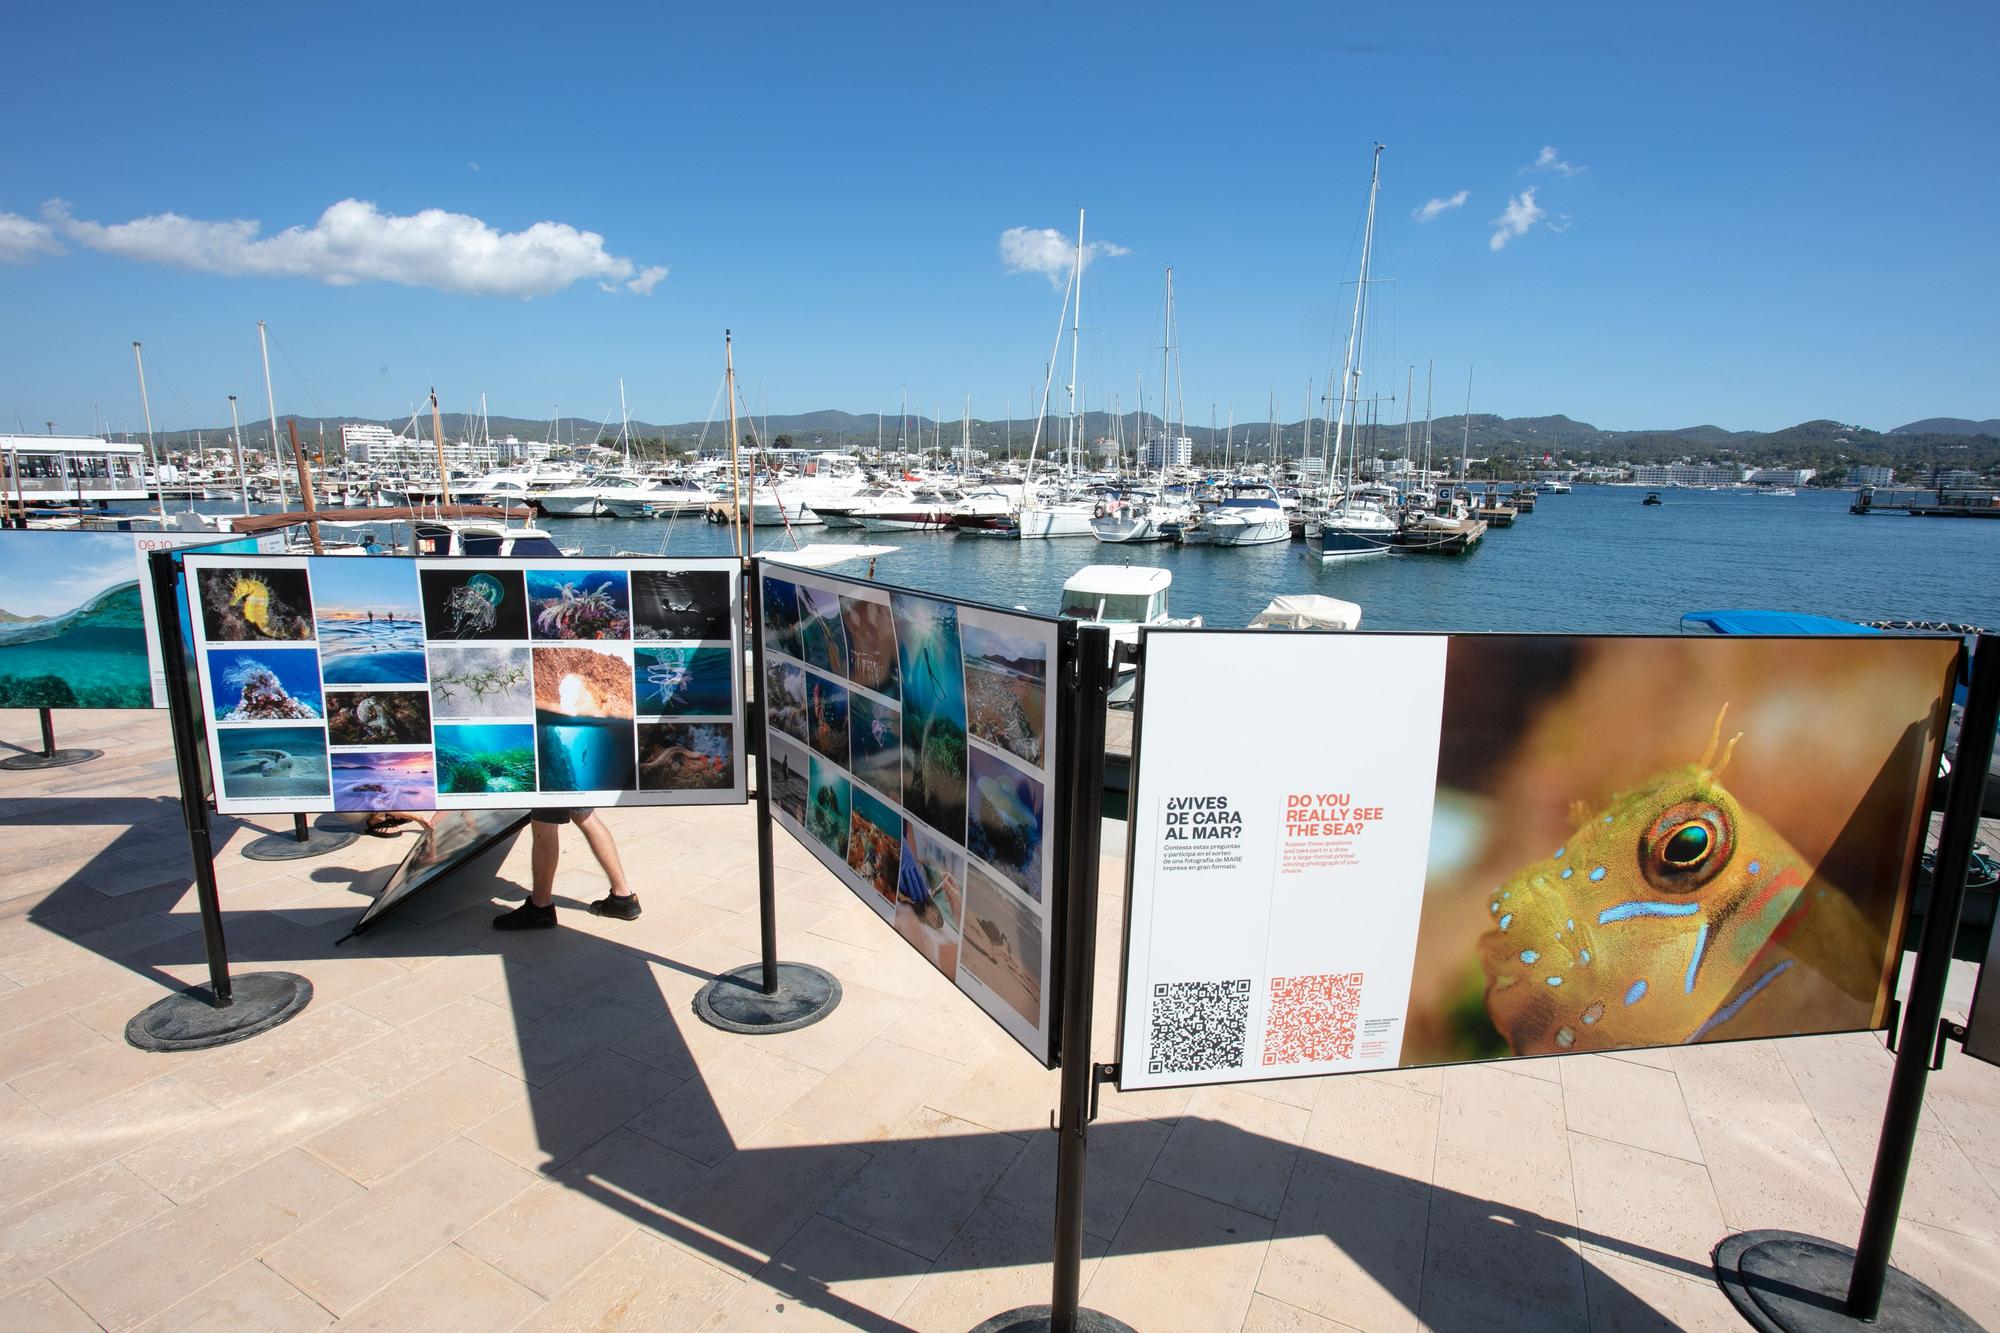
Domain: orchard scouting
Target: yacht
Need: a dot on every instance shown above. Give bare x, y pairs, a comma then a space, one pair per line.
874, 498
1248, 514
1354, 528
1121, 598
653, 497
1139, 516
521, 485
928, 509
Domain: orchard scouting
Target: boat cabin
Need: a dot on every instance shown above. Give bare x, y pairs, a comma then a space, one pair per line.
1116, 595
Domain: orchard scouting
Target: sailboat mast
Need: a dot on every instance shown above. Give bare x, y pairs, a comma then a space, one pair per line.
624, 423
159, 483
735, 465
264, 346
236, 437
1430, 374
1465, 438
1351, 374
1075, 337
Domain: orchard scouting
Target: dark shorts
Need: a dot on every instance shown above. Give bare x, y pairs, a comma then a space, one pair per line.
575, 816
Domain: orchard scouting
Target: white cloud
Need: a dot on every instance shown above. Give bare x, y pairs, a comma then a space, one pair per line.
355, 242
473, 165
1549, 160
1558, 223
23, 239
1049, 252
1433, 207
1521, 213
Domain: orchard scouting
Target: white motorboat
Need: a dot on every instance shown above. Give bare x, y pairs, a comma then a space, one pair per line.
1308, 611
927, 510
654, 498
1121, 598
874, 498
1248, 514
1142, 518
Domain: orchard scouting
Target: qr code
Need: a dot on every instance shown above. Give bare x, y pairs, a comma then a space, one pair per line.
1198, 1025
1312, 1018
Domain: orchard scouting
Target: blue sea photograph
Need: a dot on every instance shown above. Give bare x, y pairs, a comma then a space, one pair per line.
931, 672
1005, 828
272, 763
486, 758
369, 616
682, 681
71, 628
781, 617
265, 684
383, 780
586, 753
579, 604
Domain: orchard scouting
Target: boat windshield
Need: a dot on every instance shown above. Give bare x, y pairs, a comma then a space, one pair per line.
534, 546
1084, 604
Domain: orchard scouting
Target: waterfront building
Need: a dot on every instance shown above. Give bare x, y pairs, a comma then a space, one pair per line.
1781, 476
1871, 474
76, 469
1686, 474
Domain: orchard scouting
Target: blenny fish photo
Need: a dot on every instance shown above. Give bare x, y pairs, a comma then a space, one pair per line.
1650, 842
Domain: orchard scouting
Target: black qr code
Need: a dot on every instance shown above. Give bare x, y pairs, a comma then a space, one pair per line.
1198, 1025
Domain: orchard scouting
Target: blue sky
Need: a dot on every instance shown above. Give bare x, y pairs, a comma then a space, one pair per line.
1754, 215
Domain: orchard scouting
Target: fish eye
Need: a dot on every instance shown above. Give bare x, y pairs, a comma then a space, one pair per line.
1686, 846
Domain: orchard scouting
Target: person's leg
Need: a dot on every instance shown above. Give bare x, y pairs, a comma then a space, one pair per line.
598, 834
543, 859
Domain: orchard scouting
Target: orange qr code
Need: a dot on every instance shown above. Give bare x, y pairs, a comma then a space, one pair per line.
1310, 1019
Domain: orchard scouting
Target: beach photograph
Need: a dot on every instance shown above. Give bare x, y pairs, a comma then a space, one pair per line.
475, 680
871, 644
789, 778
930, 896
785, 698
1006, 690
378, 717
826, 718
687, 756
781, 617
491, 757
383, 780
874, 844
72, 632
579, 604
686, 680
370, 621
691, 604
474, 603
253, 604
822, 637
271, 763
1003, 945
931, 672
265, 684
827, 806
583, 719
875, 744
1005, 827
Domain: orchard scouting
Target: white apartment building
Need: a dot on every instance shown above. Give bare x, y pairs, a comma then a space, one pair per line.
1781, 476
1687, 474
1873, 474
1164, 451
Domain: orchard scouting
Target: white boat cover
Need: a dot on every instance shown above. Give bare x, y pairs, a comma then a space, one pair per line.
819, 555
1308, 611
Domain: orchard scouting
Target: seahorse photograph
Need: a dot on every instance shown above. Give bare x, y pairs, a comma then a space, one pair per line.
1651, 842
255, 604
474, 604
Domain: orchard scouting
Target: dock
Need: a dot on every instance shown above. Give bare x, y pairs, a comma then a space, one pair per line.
1938, 503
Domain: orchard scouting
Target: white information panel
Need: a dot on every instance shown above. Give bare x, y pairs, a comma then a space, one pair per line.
1278, 857
369, 683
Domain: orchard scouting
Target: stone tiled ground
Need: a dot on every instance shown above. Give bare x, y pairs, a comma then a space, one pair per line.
476, 1131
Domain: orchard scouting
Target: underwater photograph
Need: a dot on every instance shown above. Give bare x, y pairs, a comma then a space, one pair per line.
1003, 945
378, 717
930, 896
781, 617
789, 778
785, 698
583, 719
826, 718
383, 780
272, 763
77, 640
1006, 690
827, 806
683, 681
1005, 828
875, 744
822, 637
255, 605
493, 757
680, 605
369, 619
264, 684
687, 756
475, 680
874, 844
871, 645
474, 604
932, 676
579, 604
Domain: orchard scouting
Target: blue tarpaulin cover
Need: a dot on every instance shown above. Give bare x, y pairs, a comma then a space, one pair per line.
1774, 622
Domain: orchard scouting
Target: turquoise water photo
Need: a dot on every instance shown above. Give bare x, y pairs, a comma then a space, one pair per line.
72, 631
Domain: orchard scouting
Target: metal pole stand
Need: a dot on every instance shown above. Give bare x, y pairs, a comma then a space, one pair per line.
1083, 835
50, 757
1786, 1282
303, 841
766, 997
193, 1019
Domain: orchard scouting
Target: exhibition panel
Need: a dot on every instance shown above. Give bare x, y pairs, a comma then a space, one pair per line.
362, 683
1487, 846
914, 750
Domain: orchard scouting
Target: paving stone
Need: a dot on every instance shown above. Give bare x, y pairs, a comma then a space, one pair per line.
1181, 1261
450, 1292
1387, 1131
1120, 1152
998, 1261
875, 1090
249, 1296
921, 1186
392, 1133
739, 1092
560, 1120
1349, 1247
1649, 1207
60, 1224
644, 1283
41, 1307
402, 1056
1234, 1149
1620, 1101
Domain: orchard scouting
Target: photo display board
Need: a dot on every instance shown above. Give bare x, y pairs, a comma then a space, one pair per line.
913, 751
1437, 849
359, 683
77, 621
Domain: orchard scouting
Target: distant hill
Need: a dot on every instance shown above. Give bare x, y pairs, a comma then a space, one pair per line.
1949, 426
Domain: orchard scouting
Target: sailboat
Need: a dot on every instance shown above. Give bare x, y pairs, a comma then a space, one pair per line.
1057, 515
1146, 517
1355, 526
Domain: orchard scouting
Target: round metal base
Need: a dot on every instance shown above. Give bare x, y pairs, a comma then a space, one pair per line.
190, 1021
736, 1002
1040, 1318
17, 763
1785, 1282
288, 847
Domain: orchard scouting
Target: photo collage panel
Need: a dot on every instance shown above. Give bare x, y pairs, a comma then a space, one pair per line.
912, 745
385, 684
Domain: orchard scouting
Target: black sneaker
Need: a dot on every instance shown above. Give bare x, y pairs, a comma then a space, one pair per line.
625, 908
526, 917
